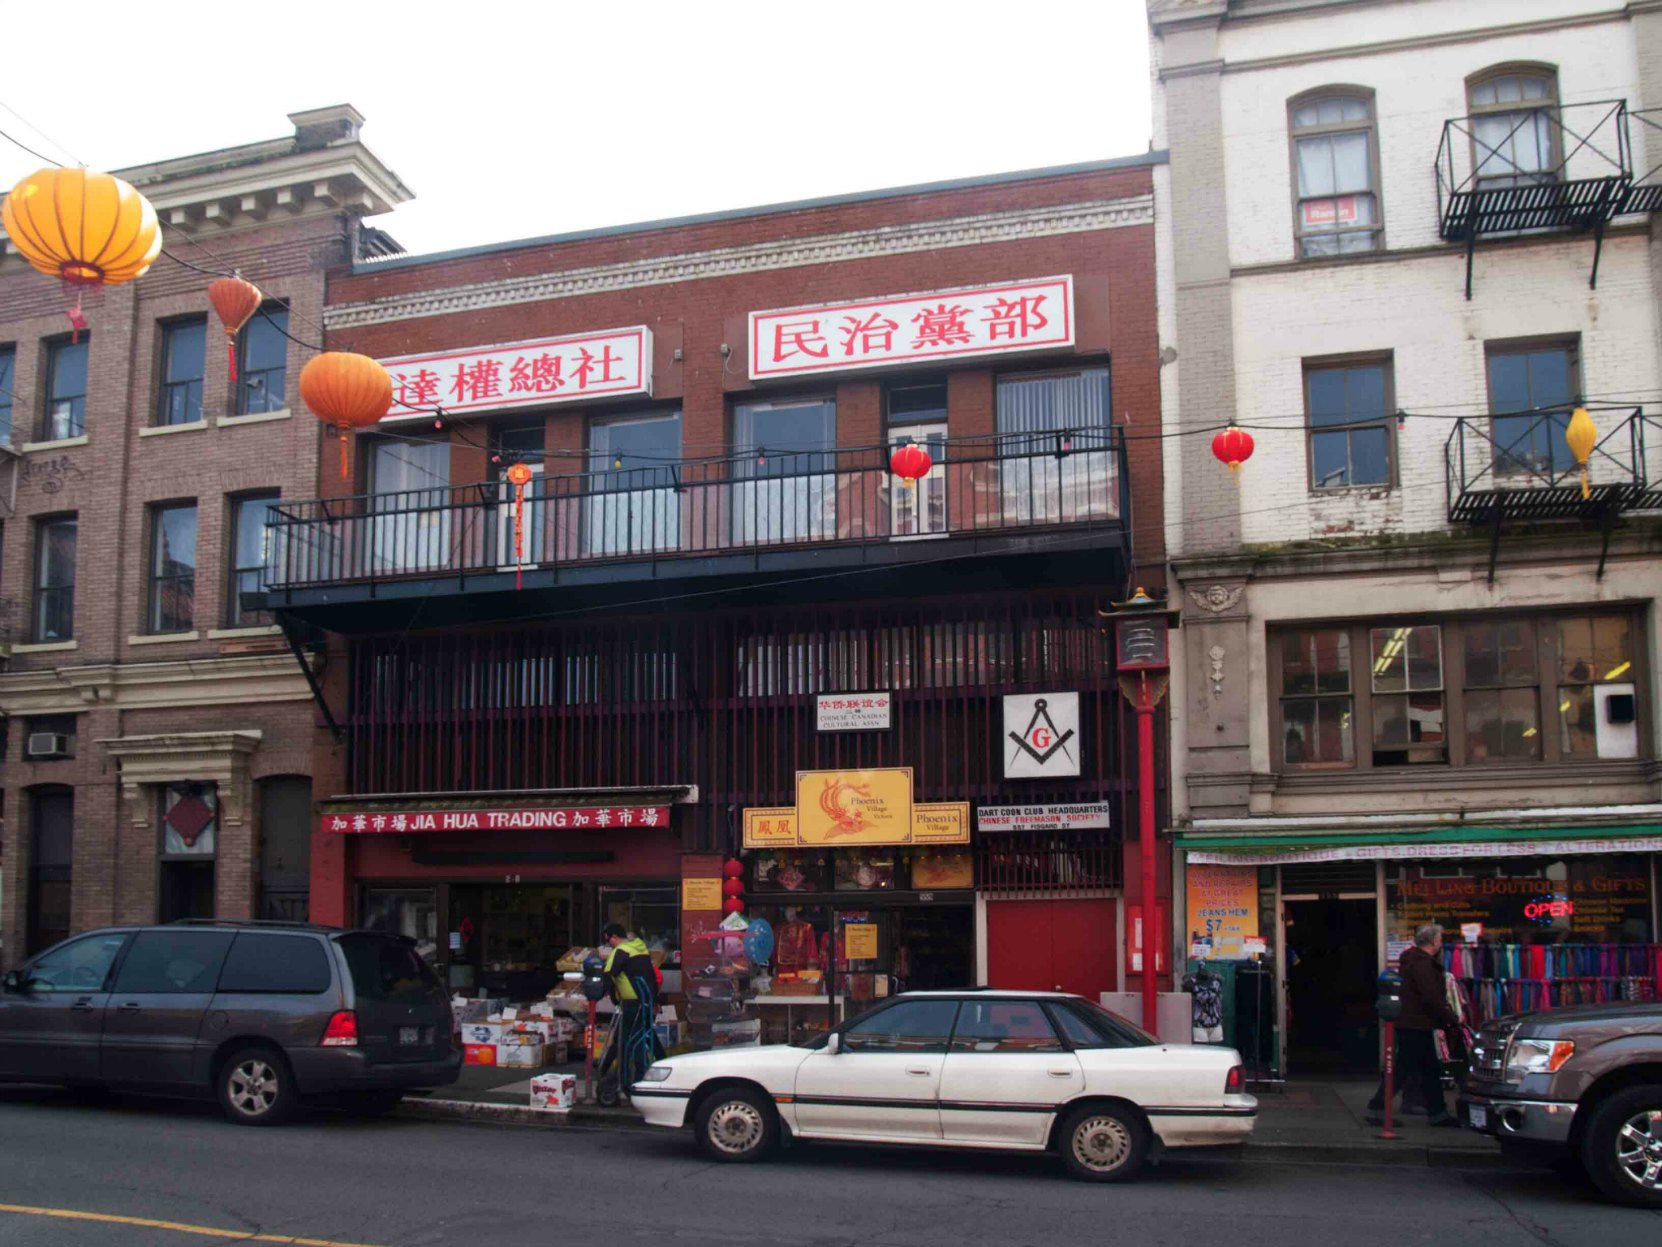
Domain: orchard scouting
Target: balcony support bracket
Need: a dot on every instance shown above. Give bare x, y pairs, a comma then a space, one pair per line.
1497, 511
1598, 250
291, 634
1471, 252
1607, 523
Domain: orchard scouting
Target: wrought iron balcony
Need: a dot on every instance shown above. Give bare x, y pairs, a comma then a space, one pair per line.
1543, 167
763, 514
1517, 468
1645, 143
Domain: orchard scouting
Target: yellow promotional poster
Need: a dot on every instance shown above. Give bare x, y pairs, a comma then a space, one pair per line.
701, 894
1223, 910
860, 941
942, 822
942, 866
769, 827
854, 807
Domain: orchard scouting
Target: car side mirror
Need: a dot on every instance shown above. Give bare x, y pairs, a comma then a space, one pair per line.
833, 1044
13, 982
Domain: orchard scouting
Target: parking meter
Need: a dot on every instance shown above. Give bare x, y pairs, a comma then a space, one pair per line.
594, 978
1389, 1002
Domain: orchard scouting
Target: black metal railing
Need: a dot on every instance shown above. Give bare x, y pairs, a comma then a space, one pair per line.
1645, 145
1519, 467
762, 500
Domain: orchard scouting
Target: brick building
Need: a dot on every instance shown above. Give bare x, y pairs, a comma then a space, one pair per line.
714, 568
1405, 242
157, 746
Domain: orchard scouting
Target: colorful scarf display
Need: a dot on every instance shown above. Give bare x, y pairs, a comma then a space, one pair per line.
1496, 979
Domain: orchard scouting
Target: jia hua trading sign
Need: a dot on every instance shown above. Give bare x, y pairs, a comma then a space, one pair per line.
912, 328
549, 370
422, 821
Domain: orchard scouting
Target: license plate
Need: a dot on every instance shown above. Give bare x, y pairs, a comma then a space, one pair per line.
408, 1035
1479, 1116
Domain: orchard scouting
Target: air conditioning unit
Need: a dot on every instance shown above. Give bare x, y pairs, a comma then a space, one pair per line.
42, 745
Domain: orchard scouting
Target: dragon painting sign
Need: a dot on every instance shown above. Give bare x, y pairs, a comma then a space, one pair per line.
945, 822
854, 807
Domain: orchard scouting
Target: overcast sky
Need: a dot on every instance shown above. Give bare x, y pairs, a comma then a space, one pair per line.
511, 119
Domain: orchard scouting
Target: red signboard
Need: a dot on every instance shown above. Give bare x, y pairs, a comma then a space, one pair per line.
414, 822
912, 328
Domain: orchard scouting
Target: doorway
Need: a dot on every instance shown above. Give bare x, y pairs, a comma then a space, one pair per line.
1332, 960
1053, 945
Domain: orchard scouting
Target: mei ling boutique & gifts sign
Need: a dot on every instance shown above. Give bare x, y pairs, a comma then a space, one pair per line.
548, 370
1223, 911
912, 328
932, 823
412, 822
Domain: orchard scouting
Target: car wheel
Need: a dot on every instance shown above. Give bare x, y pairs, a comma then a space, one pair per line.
607, 1092
256, 1088
1622, 1148
371, 1103
1103, 1143
736, 1126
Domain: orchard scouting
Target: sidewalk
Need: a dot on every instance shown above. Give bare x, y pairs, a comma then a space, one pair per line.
1304, 1121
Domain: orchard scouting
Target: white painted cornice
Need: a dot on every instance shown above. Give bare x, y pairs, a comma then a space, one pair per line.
229, 681
968, 231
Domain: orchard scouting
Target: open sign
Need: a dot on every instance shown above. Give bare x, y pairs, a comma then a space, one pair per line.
1545, 909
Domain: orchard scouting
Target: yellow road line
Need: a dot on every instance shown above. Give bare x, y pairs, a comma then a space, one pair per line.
206, 1231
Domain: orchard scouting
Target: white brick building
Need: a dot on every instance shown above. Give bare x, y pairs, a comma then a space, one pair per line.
1419, 672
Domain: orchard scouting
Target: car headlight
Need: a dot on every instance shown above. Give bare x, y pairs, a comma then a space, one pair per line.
1538, 1056
657, 1073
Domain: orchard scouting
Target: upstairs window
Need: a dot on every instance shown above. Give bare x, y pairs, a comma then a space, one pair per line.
172, 568
249, 538
1514, 135
262, 362
8, 374
1532, 391
66, 390
1349, 405
54, 607
1336, 167
184, 360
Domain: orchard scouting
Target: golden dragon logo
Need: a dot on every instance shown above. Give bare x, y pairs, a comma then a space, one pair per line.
844, 822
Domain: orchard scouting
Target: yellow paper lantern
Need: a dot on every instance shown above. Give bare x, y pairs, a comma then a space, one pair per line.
1581, 434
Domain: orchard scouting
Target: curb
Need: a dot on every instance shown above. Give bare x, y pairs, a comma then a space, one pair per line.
587, 1115
1371, 1153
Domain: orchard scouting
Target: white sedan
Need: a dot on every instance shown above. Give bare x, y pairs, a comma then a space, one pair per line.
1027, 1071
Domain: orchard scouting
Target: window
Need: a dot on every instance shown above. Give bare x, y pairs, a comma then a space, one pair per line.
172, 567
787, 491
248, 551
262, 362
1054, 433
1090, 1026
635, 506
386, 969
55, 579
1408, 695
173, 963
1594, 665
189, 816
1538, 384
1004, 1026
66, 389
1514, 138
184, 360
1316, 702
8, 379
276, 963
410, 482
1516, 689
83, 966
1348, 405
914, 1026
916, 404
1337, 173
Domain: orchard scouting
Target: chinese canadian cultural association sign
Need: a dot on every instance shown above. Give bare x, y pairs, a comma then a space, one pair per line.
1223, 911
549, 370
932, 823
852, 712
912, 328
415, 821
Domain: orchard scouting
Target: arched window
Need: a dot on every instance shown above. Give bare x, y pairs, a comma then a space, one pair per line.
1514, 128
1336, 168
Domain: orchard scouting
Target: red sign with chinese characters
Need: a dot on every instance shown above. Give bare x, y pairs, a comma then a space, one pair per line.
550, 370
417, 822
912, 328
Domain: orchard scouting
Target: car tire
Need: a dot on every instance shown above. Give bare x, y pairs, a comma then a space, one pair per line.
371, 1103
607, 1092
736, 1126
1103, 1143
256, 1088
1622, 1147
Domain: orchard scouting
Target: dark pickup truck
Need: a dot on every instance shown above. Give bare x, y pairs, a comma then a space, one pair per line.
1582, 1086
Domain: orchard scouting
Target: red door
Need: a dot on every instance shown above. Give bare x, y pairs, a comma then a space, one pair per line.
1052, 945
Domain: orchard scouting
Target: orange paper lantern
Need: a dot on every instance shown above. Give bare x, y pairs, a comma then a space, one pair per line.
236, 301
346, 391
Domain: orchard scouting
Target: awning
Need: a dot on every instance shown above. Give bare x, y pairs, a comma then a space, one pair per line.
1284, 847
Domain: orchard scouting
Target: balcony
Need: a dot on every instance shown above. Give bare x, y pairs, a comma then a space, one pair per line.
1513, 469
772, 518
1523, 169
1645, 135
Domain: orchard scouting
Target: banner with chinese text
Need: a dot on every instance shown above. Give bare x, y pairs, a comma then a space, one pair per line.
516, 374
411, 822
945, 822
912, 328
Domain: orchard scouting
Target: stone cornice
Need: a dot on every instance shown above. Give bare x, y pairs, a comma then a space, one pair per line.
970, 231
232, 681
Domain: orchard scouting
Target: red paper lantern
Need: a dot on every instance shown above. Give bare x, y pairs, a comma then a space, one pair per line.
732, 887
911, 463
732, 905
1232, 447
236, 301
733, 868
519, 476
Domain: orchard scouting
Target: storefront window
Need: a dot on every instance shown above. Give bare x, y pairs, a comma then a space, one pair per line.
1597, 899
1592, 652
654, 914
1408, 696
413, 912
1501, 690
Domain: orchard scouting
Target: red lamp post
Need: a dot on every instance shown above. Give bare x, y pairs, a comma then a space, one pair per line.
1142, 659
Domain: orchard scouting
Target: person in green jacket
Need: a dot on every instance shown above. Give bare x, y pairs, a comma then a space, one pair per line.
633, 982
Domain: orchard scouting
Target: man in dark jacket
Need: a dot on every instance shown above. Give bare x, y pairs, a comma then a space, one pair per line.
1425, 1011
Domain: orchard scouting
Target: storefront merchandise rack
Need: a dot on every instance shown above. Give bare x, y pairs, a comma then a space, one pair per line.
1497, 979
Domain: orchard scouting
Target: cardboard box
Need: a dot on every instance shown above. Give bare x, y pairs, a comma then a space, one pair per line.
553, 1093
520, 1056
479, 1054
536, 1028
482, 1032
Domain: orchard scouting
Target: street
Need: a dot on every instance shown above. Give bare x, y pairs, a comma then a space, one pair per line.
133, 1163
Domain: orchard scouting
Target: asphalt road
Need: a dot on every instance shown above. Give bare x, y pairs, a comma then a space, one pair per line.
400, 1182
